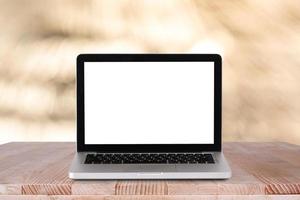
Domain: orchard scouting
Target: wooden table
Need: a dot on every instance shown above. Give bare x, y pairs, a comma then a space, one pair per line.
40, 171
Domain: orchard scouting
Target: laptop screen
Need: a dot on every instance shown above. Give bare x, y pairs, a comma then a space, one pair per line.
149, 102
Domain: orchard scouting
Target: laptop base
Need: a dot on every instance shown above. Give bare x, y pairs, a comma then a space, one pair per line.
218, 170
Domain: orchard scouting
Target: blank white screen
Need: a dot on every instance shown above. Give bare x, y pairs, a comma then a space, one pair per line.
149, 102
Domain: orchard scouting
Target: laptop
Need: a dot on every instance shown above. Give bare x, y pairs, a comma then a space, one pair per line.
149, 116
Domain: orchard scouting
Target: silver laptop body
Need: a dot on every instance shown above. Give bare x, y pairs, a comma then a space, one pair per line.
149, 116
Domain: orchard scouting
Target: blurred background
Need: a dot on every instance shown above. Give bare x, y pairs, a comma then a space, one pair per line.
258, 39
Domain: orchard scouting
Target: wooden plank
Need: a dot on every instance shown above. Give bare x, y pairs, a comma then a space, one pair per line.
141, 188
242, 182
124, 187
150, 197
104, 187
42, 169
46, 189
266, 165
48, 174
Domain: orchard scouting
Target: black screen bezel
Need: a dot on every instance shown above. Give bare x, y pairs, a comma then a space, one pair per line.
216, 146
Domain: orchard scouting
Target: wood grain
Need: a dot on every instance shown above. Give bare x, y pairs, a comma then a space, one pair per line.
150, 197
259, 169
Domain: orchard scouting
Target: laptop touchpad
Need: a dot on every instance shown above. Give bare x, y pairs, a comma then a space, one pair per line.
157, 168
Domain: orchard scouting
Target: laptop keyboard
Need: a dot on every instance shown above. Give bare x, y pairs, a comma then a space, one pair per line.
145, 158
